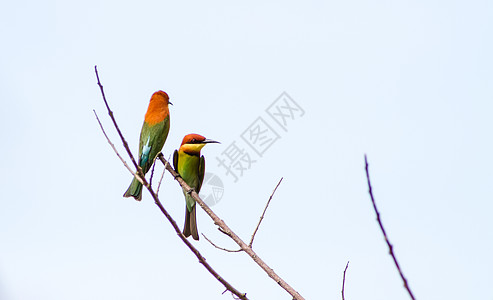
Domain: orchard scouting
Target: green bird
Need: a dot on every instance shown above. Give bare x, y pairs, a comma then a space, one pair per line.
152, 137
191, 167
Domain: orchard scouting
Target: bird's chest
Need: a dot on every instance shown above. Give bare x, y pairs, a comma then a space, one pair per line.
188, 168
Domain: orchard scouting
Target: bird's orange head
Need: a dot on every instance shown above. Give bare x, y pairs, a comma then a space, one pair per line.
193, 143
158, 108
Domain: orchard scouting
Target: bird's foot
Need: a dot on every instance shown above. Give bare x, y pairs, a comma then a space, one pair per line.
190, 191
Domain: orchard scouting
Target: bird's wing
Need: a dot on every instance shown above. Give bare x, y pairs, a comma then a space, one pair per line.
175, 160
152, 139
144, 145
201, 172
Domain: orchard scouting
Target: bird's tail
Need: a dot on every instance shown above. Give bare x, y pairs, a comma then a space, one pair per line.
191, 223
134, 190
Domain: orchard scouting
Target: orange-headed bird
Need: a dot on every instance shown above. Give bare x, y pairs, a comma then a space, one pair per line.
152, 137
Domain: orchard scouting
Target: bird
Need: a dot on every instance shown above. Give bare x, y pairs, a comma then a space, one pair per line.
152, 138
191, 167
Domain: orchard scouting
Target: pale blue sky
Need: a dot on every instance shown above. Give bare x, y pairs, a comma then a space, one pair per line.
408, 83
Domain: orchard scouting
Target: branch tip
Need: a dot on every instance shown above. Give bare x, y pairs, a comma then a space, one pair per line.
344, 280
263, 213
391, 251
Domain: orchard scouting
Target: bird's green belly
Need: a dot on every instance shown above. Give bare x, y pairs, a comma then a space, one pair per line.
188, 168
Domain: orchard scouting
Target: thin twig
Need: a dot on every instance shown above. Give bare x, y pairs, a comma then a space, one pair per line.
152, 172
222, 231
220, 248
110, 112
255, 231
161, 179
201, 259
272, 274
114, 149
344, 281
391, 251
262, 216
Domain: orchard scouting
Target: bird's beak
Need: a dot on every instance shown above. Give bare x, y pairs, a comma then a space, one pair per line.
169, 102
207, 141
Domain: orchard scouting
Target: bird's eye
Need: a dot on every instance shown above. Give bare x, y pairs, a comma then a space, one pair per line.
193, 140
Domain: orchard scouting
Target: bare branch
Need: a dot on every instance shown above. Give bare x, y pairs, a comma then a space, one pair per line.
262, 216
226, 230
391, 251
254, 232
116, 151
220, 248
152, 173
201, 259
222, 231
125, 144
344, 281
161, 179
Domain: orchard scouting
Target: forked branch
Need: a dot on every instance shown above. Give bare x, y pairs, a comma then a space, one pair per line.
256, 228
226, 230
263, 213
